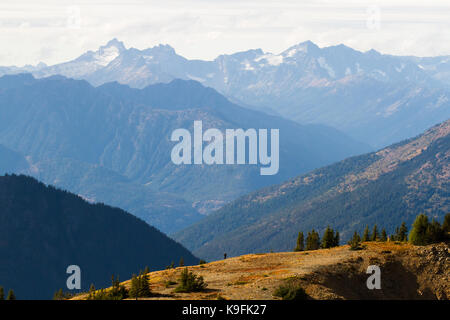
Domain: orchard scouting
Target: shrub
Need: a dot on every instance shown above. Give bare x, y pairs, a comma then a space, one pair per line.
189, 282
290, 291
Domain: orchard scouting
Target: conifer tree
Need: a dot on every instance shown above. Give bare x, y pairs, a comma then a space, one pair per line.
134, 287
383, 235
434, 232
181, 263
144, 285
355, 242
300, 242
446, 226
366, 234
336, 239
11, 295
402, 233
418, 235
375, 235
328, 238
312, 240
2, 293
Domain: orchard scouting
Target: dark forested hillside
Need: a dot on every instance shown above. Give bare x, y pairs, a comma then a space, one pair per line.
43, 230
386, 187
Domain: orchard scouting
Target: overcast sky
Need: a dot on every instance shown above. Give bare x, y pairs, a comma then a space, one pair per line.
55, 31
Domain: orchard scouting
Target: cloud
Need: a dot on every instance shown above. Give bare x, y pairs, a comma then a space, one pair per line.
55, 31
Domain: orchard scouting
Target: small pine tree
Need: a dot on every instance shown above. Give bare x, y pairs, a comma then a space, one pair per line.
328, 238
418, 235
144, 286
312, 240
147, 269
366, 235
355, 242
2, 293
402, 234
383, 235
134, 287
181, 263
336, 239
189, 282
375, 235
446, 226
434, 232
11, 295
300, 242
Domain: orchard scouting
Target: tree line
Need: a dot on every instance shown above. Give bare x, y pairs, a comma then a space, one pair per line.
10, 296
423, 232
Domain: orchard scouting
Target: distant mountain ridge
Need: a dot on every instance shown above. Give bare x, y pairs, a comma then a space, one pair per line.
385, 187
112, 144
44, 230
377, 98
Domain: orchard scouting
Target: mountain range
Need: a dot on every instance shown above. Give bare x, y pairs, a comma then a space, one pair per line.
43, 230
375, 98
112, 144
386, 187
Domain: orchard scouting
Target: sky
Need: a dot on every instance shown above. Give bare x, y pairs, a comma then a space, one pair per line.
54, 31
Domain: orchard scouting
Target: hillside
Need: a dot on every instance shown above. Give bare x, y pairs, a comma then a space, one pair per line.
408, 272
112, 144
385, 187
43, 230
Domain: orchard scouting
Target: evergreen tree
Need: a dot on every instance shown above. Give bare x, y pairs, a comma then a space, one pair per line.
2, 293
336, 239
328, 238
418, 235
434, 232
140, 286
355, 242
181, 263
383, 235
366, 235
446, 225
312, 240
147, 269
144, 286
11, 295
402, 233
189, 282
300, 242
134, 287
375, 235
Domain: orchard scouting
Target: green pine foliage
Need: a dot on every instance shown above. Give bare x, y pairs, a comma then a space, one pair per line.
424, 232
11, 295
116, 292
418, 235
355, 242
61, 295
375, 235
290, 291
2, 293
366, 235
383, 236
140, 286
330, 239
189, 282
300, 242
312, 240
